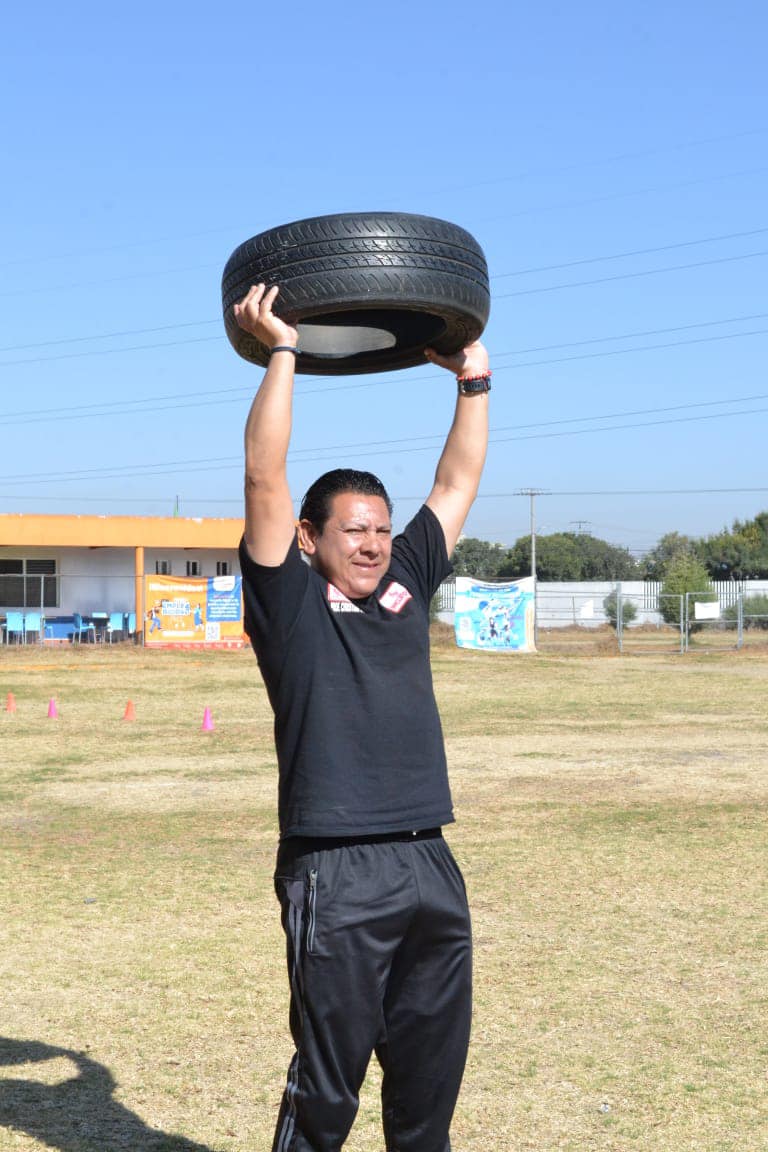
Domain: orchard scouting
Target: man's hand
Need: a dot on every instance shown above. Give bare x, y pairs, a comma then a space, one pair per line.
471, 361
254, 315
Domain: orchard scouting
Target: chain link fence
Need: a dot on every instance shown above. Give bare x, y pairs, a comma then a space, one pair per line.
604, 619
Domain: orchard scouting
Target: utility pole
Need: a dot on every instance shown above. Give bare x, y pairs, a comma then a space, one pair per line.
533, 493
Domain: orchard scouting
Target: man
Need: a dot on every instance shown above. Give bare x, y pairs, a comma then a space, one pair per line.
373, 903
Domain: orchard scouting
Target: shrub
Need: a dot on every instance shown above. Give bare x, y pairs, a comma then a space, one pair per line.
755, 612
628, 609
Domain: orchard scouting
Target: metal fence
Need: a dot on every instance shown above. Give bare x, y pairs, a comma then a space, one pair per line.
605, 619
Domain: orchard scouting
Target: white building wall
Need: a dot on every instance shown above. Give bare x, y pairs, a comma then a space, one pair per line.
103, 579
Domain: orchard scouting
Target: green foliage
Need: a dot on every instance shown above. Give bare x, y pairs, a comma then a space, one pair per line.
478, 558
611, 607
755, 612
569, 556
684, 572
655, 563
604, 561
741, 552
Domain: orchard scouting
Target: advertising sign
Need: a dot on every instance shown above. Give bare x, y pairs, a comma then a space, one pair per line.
495, 617
194, 612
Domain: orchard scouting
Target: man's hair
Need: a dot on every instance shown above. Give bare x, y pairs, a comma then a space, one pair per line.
316, 505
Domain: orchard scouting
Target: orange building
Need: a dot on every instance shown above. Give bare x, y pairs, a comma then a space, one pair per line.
97, 564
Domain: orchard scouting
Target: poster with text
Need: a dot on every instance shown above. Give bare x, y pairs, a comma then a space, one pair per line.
194, 612
495, 617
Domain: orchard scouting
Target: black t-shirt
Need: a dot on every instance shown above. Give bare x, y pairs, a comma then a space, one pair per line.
358, 736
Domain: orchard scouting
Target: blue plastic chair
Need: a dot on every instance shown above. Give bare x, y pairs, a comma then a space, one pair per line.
14, 626
33, 622
116, 623
81, 627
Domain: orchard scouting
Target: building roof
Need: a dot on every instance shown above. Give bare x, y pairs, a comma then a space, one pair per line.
18, 529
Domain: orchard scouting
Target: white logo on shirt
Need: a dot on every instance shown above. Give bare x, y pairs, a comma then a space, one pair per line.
395, 598
338, 602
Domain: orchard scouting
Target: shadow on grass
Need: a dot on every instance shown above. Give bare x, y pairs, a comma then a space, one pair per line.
78, 1114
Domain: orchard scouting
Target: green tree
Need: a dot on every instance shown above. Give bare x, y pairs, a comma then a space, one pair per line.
683, 573
569, 556
741, 552
654, 564
478, 558
604, 561
557, 558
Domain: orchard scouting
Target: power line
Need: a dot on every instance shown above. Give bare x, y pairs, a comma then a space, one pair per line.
659, 492
642, 348
126, 406
108, 335
399, 498
632, 275
110, 280
374, 448
636, 335
513, 352
81, 473
107, 351
499, 276
519, 176
191, 399
629, 193
618, 158
204, 267
633, 252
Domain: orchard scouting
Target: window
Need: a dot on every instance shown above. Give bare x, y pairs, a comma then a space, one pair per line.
222, 567
28, 583
162, 568
193, 567
12, 583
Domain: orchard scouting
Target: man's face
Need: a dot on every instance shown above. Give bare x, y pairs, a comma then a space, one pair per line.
355, 546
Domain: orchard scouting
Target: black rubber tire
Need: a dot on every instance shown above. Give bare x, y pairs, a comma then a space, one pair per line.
367, 291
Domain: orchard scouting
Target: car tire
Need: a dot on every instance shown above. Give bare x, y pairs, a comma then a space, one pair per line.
368, 292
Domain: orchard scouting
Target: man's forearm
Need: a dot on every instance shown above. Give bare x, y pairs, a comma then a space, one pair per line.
461, 463
460, 466
268, 427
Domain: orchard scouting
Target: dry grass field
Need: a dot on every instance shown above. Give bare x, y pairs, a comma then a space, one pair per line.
612, 824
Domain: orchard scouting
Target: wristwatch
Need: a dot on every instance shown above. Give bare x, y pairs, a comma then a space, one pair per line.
474, 385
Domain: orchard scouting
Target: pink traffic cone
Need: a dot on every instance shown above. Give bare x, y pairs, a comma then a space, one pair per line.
52, 710
207, 721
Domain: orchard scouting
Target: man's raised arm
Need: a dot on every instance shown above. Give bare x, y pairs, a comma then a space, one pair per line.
461, 464
269, 518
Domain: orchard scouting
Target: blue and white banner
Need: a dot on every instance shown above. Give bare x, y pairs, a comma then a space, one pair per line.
495, 617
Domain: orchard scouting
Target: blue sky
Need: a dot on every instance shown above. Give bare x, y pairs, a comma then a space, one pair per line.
611, 159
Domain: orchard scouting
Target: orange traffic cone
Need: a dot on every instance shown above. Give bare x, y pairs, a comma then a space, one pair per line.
10, 703
52, 710
207, 721
130, 711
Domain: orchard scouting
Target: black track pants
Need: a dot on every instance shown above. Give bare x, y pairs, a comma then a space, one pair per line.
379, 958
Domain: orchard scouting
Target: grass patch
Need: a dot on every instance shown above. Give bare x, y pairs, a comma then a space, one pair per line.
612, 827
